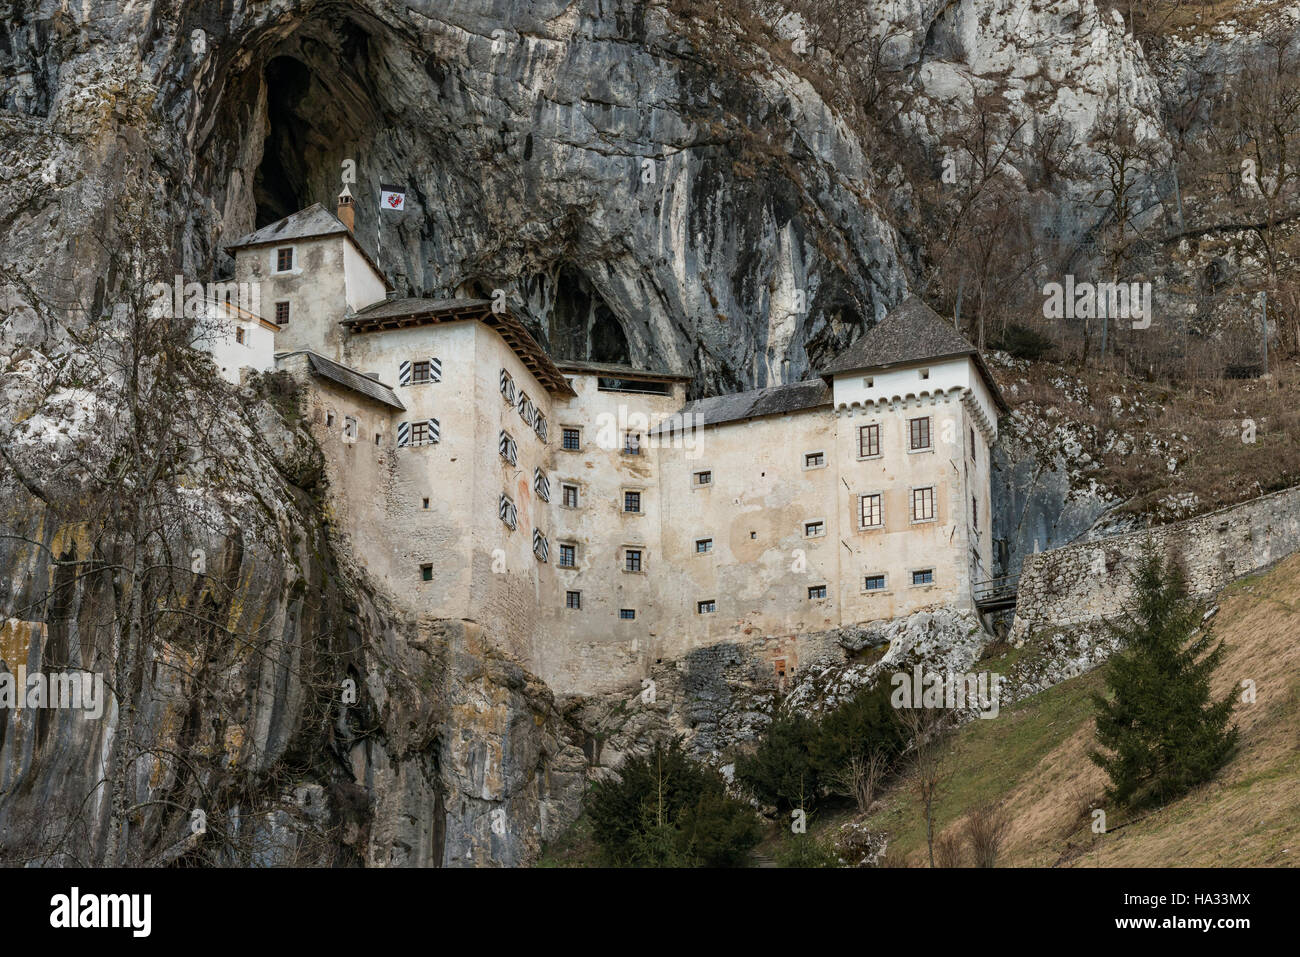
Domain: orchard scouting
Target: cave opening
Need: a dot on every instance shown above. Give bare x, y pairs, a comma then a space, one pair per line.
280, 185
582, 326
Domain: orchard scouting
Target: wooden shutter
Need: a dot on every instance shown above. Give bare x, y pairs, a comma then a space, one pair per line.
435, 369
434, 434
403, 434
404, 372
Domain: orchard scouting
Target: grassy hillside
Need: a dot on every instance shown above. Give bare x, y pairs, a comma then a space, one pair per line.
1033, 758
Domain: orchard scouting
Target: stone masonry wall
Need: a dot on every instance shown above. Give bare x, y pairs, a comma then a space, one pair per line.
1082, 584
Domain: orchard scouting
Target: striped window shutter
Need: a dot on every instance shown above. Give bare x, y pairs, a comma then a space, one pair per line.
435, 369
403, 434
506, 446
540, 427
507, 387
509, 514
541, 548
434, 434
404, 372
541, 485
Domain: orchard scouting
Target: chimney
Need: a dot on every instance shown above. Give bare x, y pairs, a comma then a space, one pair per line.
346, 211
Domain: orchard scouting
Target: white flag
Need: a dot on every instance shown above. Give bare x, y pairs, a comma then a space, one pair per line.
392, 197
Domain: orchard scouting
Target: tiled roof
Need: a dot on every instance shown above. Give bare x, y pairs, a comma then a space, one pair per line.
349, 378
774, 400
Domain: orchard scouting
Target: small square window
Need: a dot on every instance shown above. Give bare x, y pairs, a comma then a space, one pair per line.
426, 573
875, 583
814, 529
704, 478
284, 259
632, 501
703, 545
706, 607
632, 443
573, 599
570, 498
571, 440
627, 614
632, 560
282, 313
869, 382
568, 556
923, 577
816, 591
925, 373
349, 428
814, 460
420, 371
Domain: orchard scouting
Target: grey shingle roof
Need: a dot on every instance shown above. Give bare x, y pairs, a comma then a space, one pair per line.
349, 378
615, 370
912, 332
315, 220
774, 400
412, 306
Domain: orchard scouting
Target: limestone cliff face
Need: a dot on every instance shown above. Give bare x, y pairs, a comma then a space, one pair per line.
648, 182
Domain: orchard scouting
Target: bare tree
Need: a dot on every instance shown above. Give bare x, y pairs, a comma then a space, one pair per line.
927, 730
986, 831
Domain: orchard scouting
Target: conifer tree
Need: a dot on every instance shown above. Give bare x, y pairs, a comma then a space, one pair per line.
1161, 730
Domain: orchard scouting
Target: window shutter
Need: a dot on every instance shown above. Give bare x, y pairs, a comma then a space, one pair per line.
404, 372
403, 434
507, 387
540, 427
508, 449
435, 369
540, 546
434, 434
509, 514
541, 485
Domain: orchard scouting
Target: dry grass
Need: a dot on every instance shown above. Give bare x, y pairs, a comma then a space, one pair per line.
1248, 816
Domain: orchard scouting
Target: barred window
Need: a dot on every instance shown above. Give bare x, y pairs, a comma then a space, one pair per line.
816, 591
923, 577
875, 583
570, 496
631, 501
627, 614
572, 440
573, 599
706, 607
568, 556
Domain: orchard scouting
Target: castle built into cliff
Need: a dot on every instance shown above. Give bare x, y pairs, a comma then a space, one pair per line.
587, 517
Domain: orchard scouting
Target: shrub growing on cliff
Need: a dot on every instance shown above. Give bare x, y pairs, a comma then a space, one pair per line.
782, 770
1163, 732
669, 811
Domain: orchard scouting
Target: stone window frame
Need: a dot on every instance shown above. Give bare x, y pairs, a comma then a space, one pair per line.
564, 446
929, 435
695, 478
573, 548
577, 494
277, 257
880, 445
707, 551
884, 589
623, 553
814, 521
878, 493
825, 462
572, 599
639, 490
911, 504
913, 572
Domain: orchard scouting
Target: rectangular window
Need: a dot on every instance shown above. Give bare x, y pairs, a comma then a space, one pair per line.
631, 501
816, 591
541, 484
284, 259
868, 441
570, 496
426, 503
925, 373
703, 545
281, 313
704, 478
814, 460
420, 371
627, 614
871, 513
972, 444
923, 504
632, 560
572, 440
875, 583
706, 607
568, 556
868, 382
419, 433
923, 577
508, 511
919, 432
632, 443
239, 336
426, 573
975, 513
813, 529
376, 438
349, 429
573, 599
507, 447
329, 420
